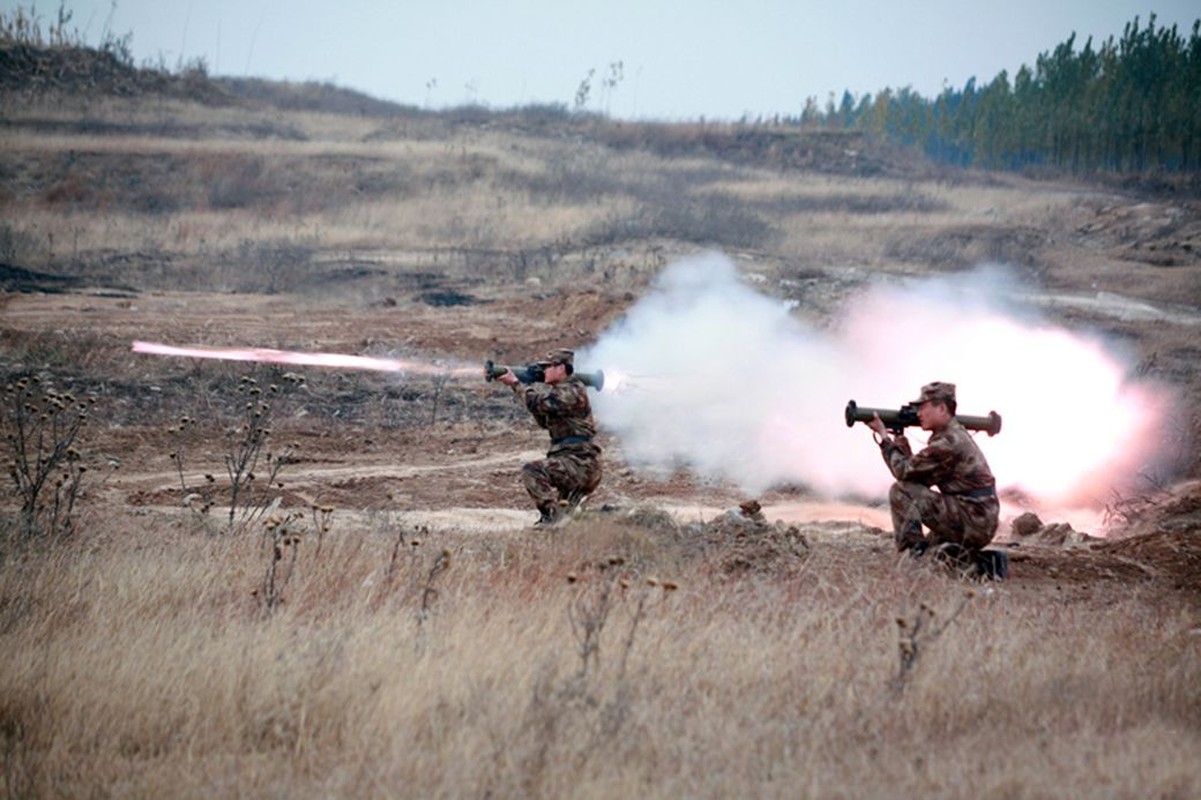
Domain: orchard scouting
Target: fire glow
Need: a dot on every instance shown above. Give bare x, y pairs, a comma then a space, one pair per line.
333, 360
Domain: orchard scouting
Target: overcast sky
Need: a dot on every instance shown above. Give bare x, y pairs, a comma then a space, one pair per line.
679, 60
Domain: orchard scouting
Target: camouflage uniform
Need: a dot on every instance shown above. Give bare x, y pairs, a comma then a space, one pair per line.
572, 468
965, 509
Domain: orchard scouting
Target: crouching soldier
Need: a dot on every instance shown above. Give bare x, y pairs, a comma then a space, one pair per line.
572, 468
946, 487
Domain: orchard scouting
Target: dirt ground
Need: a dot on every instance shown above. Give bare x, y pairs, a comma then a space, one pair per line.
363, 445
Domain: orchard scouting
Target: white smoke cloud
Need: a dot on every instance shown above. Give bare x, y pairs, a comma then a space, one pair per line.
707, 373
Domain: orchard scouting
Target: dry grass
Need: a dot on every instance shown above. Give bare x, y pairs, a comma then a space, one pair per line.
180, 183
141, 662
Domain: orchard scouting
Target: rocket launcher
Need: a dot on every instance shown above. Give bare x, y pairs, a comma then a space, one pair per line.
897, 419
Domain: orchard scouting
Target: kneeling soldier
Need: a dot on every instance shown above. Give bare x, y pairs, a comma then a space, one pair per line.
572, 468
947, 486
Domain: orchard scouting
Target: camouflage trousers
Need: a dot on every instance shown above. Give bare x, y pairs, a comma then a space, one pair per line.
567, 475
959, 520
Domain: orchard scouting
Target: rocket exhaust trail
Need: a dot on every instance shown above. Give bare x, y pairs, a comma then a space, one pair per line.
332, 360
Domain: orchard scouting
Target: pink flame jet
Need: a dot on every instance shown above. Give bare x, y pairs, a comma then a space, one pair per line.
267, 355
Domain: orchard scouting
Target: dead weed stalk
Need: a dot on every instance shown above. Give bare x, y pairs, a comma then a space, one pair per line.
594, 700
251, 495
915, 634
282, 535
247, 444
429, 592
43, 433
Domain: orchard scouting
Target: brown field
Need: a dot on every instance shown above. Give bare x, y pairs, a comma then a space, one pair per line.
374, 619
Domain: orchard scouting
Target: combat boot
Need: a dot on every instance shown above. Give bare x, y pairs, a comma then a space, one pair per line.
575, 499
548, 516
911, 539
992, 565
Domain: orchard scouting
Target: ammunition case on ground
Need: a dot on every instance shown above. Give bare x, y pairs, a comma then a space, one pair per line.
535, 373
897, 419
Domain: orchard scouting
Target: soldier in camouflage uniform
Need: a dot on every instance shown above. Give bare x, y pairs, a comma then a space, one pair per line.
572, 468
964, 509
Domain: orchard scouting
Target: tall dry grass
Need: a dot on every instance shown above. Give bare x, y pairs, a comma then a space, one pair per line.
141, 661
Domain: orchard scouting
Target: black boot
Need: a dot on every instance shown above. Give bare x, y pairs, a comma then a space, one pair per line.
575, 499
548, 516
992, 565
911, 539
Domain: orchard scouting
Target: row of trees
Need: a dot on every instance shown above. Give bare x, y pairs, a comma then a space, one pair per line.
1132, 104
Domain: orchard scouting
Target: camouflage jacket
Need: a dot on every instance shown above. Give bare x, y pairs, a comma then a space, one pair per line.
951, 460
563, 409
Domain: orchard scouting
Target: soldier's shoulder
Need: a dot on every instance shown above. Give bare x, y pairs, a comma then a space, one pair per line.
960, 435
952, 435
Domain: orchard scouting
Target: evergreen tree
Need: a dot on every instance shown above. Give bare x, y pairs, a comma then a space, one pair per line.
1130, 104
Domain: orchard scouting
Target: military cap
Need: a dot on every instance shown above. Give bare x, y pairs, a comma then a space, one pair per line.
559, 356
938, 391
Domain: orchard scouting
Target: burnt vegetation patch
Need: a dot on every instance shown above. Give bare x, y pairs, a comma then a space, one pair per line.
19, 279
447, 297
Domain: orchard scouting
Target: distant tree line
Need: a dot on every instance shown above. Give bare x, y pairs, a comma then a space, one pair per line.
1132, 104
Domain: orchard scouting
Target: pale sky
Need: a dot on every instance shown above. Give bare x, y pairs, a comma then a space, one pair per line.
680, 60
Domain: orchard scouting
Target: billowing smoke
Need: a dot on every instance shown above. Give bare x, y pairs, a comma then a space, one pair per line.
709, 374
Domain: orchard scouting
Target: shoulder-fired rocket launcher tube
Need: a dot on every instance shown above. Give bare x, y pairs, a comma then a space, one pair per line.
534, 373
897, 419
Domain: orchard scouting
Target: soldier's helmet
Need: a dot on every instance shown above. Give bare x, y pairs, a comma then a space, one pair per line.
938, 391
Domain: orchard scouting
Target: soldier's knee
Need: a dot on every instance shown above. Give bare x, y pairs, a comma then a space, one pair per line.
899, 493
977, 540
906, 490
